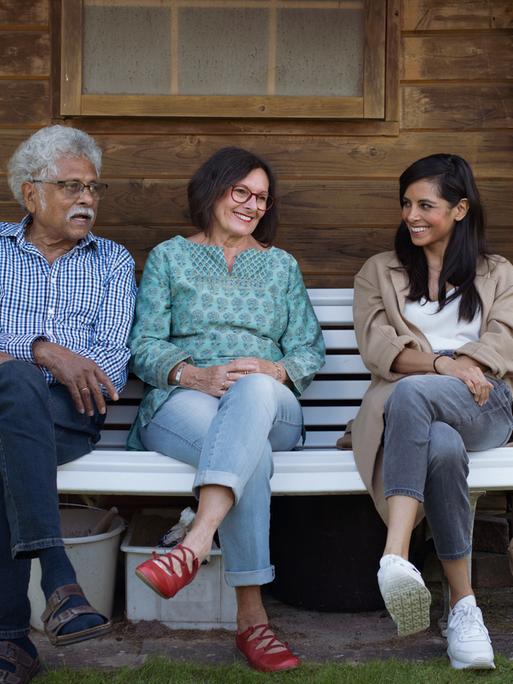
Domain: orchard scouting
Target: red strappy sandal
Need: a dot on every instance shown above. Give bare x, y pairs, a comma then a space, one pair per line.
264, 652
166, 574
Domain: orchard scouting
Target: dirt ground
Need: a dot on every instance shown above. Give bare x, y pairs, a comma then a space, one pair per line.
349, 637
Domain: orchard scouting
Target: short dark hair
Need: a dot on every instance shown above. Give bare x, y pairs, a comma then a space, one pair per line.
454, 180
214, 177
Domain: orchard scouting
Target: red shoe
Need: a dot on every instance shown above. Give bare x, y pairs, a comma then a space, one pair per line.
168, 573
263, 651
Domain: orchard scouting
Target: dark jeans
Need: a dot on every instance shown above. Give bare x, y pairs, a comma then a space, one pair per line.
39, 429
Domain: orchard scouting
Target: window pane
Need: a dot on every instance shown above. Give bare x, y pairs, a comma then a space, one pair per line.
319, 52
222, 51
127, 50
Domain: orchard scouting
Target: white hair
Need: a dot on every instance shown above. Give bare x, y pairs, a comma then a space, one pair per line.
39, 155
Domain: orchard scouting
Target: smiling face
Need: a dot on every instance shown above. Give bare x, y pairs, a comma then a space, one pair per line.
56, 217
234, 221
429, 218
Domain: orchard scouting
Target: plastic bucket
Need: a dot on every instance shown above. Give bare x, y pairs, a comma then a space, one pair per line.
94, 558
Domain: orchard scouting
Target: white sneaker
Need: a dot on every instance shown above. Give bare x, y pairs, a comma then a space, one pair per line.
468, 642
405, 595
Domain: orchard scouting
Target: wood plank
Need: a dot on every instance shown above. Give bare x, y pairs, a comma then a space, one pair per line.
24, 53
463, 57
71, 58
443, 15
222, 105
457, 106
23, 12
490, 154
393, 58
374, 60
233, 126
55, 74
340, 251
24, 103
302, 202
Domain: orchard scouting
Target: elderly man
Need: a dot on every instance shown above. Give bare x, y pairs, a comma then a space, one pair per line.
66, 304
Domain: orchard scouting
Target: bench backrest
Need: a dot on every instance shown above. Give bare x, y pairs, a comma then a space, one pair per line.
331, 400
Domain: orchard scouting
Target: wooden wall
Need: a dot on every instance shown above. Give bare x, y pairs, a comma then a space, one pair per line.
338, 181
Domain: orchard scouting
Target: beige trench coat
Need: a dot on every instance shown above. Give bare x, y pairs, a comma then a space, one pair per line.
381, 287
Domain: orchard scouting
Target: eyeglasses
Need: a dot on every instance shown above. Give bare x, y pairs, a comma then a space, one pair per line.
74, 188
241, 194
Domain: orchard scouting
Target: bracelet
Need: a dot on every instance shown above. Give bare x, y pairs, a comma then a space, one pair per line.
434, 363
178, 374
279, 371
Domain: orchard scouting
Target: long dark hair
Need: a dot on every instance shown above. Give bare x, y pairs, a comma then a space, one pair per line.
454, 180
225, 168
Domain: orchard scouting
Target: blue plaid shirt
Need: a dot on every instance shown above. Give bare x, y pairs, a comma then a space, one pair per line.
84, 300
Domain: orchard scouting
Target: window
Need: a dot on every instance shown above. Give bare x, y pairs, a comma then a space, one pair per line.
224, 58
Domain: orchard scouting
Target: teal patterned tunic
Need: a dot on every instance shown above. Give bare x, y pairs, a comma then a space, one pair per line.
190, 306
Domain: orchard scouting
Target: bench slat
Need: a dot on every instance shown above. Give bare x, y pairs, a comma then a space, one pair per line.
325, 296
336, 364
297, 472
336, 389
334, 315
145, 472
315, 439
314, 415
318, 390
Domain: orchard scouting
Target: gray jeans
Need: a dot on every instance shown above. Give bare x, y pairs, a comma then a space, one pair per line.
431, 421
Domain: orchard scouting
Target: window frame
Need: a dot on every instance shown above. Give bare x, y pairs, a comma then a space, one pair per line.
378, 102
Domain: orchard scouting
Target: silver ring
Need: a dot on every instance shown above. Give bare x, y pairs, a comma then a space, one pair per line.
84, 389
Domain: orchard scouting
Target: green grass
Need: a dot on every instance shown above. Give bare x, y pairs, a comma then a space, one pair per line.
162, 671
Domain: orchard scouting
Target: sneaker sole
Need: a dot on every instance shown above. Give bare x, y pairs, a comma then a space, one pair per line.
475, 664
408, 603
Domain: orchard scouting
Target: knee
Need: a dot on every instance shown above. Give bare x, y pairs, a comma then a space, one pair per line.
255, 387
447, 452
21, 378
407, 394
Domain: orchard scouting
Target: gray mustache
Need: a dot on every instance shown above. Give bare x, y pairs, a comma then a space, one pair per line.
80, 211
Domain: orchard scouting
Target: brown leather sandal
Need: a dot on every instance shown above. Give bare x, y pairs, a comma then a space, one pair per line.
54, 620
26, 666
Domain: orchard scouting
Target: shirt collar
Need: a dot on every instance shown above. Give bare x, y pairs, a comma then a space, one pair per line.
18, 231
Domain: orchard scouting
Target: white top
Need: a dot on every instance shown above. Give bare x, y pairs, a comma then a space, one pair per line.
442, 329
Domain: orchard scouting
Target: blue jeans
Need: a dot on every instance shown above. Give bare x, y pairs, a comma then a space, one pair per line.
230, 442
39, 429
431, 422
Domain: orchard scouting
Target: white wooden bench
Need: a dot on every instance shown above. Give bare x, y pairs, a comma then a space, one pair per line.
331, 400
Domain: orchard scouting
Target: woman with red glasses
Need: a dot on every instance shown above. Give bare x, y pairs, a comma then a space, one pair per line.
226, 338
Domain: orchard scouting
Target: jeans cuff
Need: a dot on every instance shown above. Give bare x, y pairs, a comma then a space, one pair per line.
218, 477
403, 491
249, 578
14, 633
29, 549
454, 556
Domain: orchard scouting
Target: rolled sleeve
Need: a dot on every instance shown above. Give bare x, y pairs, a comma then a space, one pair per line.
19, 346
